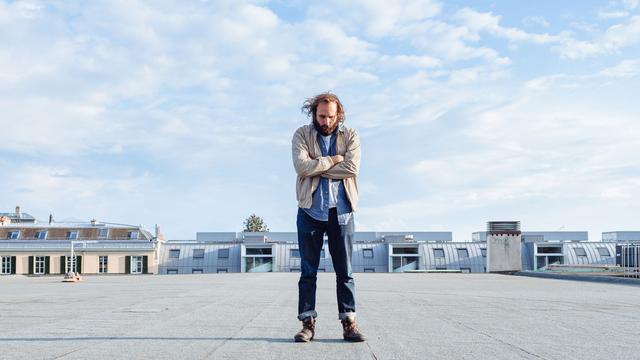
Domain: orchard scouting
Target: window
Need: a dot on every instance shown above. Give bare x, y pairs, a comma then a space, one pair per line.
550, 250
6, 265
367, 253
174, 253
223, 254
41, 235
463, 253
13, 235
294, 253
196, 271
369, 269
38, 265
172, 271
103, 232
483, 251
136, 264
103, 264
72, 235
465, 270
198, 253
580, 251
133, 235
405, 250
71, 264
222, 270
603, 251
438, 253
259, 251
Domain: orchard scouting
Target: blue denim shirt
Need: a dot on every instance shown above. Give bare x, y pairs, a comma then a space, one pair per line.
320, 205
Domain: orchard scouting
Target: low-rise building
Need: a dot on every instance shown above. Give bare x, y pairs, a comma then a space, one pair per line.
41, 248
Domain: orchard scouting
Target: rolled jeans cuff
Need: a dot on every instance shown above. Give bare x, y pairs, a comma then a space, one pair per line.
342, 316
306, 314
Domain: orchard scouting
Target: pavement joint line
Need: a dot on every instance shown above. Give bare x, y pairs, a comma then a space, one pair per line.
461, 324
263, 309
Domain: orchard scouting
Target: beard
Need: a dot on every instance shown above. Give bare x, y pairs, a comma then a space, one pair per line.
325, 129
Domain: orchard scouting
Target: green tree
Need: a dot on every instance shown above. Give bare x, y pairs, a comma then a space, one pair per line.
254, 223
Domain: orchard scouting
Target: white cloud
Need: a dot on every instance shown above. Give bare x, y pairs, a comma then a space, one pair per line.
377, 18
418, 61
612, 14
614, 39
625, 68
477, 22
536, 21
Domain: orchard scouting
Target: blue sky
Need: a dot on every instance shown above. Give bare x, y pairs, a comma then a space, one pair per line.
181, 113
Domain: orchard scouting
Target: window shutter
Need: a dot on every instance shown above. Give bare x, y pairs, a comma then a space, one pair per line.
79, 264
63, 264
127, 264
145, 267
46, 265
30, 265
13, 265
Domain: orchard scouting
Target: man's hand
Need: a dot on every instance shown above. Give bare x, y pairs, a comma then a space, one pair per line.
337, 159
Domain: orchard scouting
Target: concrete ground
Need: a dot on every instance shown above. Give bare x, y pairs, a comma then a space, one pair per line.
253, 316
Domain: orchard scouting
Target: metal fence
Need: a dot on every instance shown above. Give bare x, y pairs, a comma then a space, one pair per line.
628, 257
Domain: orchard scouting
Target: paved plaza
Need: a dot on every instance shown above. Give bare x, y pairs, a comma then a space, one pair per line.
253, 316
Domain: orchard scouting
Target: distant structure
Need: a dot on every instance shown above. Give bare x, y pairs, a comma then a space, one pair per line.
503, 246
30, 247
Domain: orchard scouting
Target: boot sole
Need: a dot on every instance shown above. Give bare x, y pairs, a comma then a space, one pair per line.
297, 339
354, 340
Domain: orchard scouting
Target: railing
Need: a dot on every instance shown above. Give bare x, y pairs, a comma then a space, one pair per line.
628, 257
79, 245
80, 238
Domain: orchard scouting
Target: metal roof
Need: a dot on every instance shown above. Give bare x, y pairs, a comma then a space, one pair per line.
22, 216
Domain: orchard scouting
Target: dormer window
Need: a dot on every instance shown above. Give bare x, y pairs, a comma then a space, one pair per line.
41, 235
72, 235
133, 235
13, 235
103, 233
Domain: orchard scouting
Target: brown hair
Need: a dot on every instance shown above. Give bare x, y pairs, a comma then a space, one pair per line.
311, 105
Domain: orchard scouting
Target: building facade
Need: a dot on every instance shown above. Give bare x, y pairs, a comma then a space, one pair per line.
30, 247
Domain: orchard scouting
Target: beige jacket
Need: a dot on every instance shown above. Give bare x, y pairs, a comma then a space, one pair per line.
310, 165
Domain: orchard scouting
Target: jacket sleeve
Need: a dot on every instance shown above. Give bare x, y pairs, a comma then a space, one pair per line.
304, 165
351, 164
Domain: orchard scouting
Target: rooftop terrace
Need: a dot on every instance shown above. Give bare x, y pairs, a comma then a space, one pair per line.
252, 316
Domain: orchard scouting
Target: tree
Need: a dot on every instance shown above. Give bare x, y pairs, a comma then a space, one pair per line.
254, 223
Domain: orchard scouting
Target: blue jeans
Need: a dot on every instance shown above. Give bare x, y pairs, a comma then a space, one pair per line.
310, 240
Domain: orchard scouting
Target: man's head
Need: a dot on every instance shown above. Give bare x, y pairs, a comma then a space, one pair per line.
326, 112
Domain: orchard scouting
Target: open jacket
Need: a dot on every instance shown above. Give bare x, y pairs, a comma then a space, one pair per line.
310, 165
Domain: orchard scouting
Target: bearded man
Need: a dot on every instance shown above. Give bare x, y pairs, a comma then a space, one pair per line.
326, 158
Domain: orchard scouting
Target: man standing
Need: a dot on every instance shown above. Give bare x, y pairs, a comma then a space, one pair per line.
326, 157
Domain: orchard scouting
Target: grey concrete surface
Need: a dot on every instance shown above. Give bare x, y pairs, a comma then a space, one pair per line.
252, 316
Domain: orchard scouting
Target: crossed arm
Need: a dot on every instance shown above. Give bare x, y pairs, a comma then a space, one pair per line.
332, 167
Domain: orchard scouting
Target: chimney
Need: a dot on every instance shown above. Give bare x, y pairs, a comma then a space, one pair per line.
50, 219
94, 222
18, 214
159, 234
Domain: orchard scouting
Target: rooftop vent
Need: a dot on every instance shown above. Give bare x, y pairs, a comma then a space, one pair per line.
503, 228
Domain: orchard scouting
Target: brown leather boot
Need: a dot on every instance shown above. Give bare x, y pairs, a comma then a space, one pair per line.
350, 330
308, 330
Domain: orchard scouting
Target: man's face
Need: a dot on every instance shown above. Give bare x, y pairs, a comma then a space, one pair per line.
327, 117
